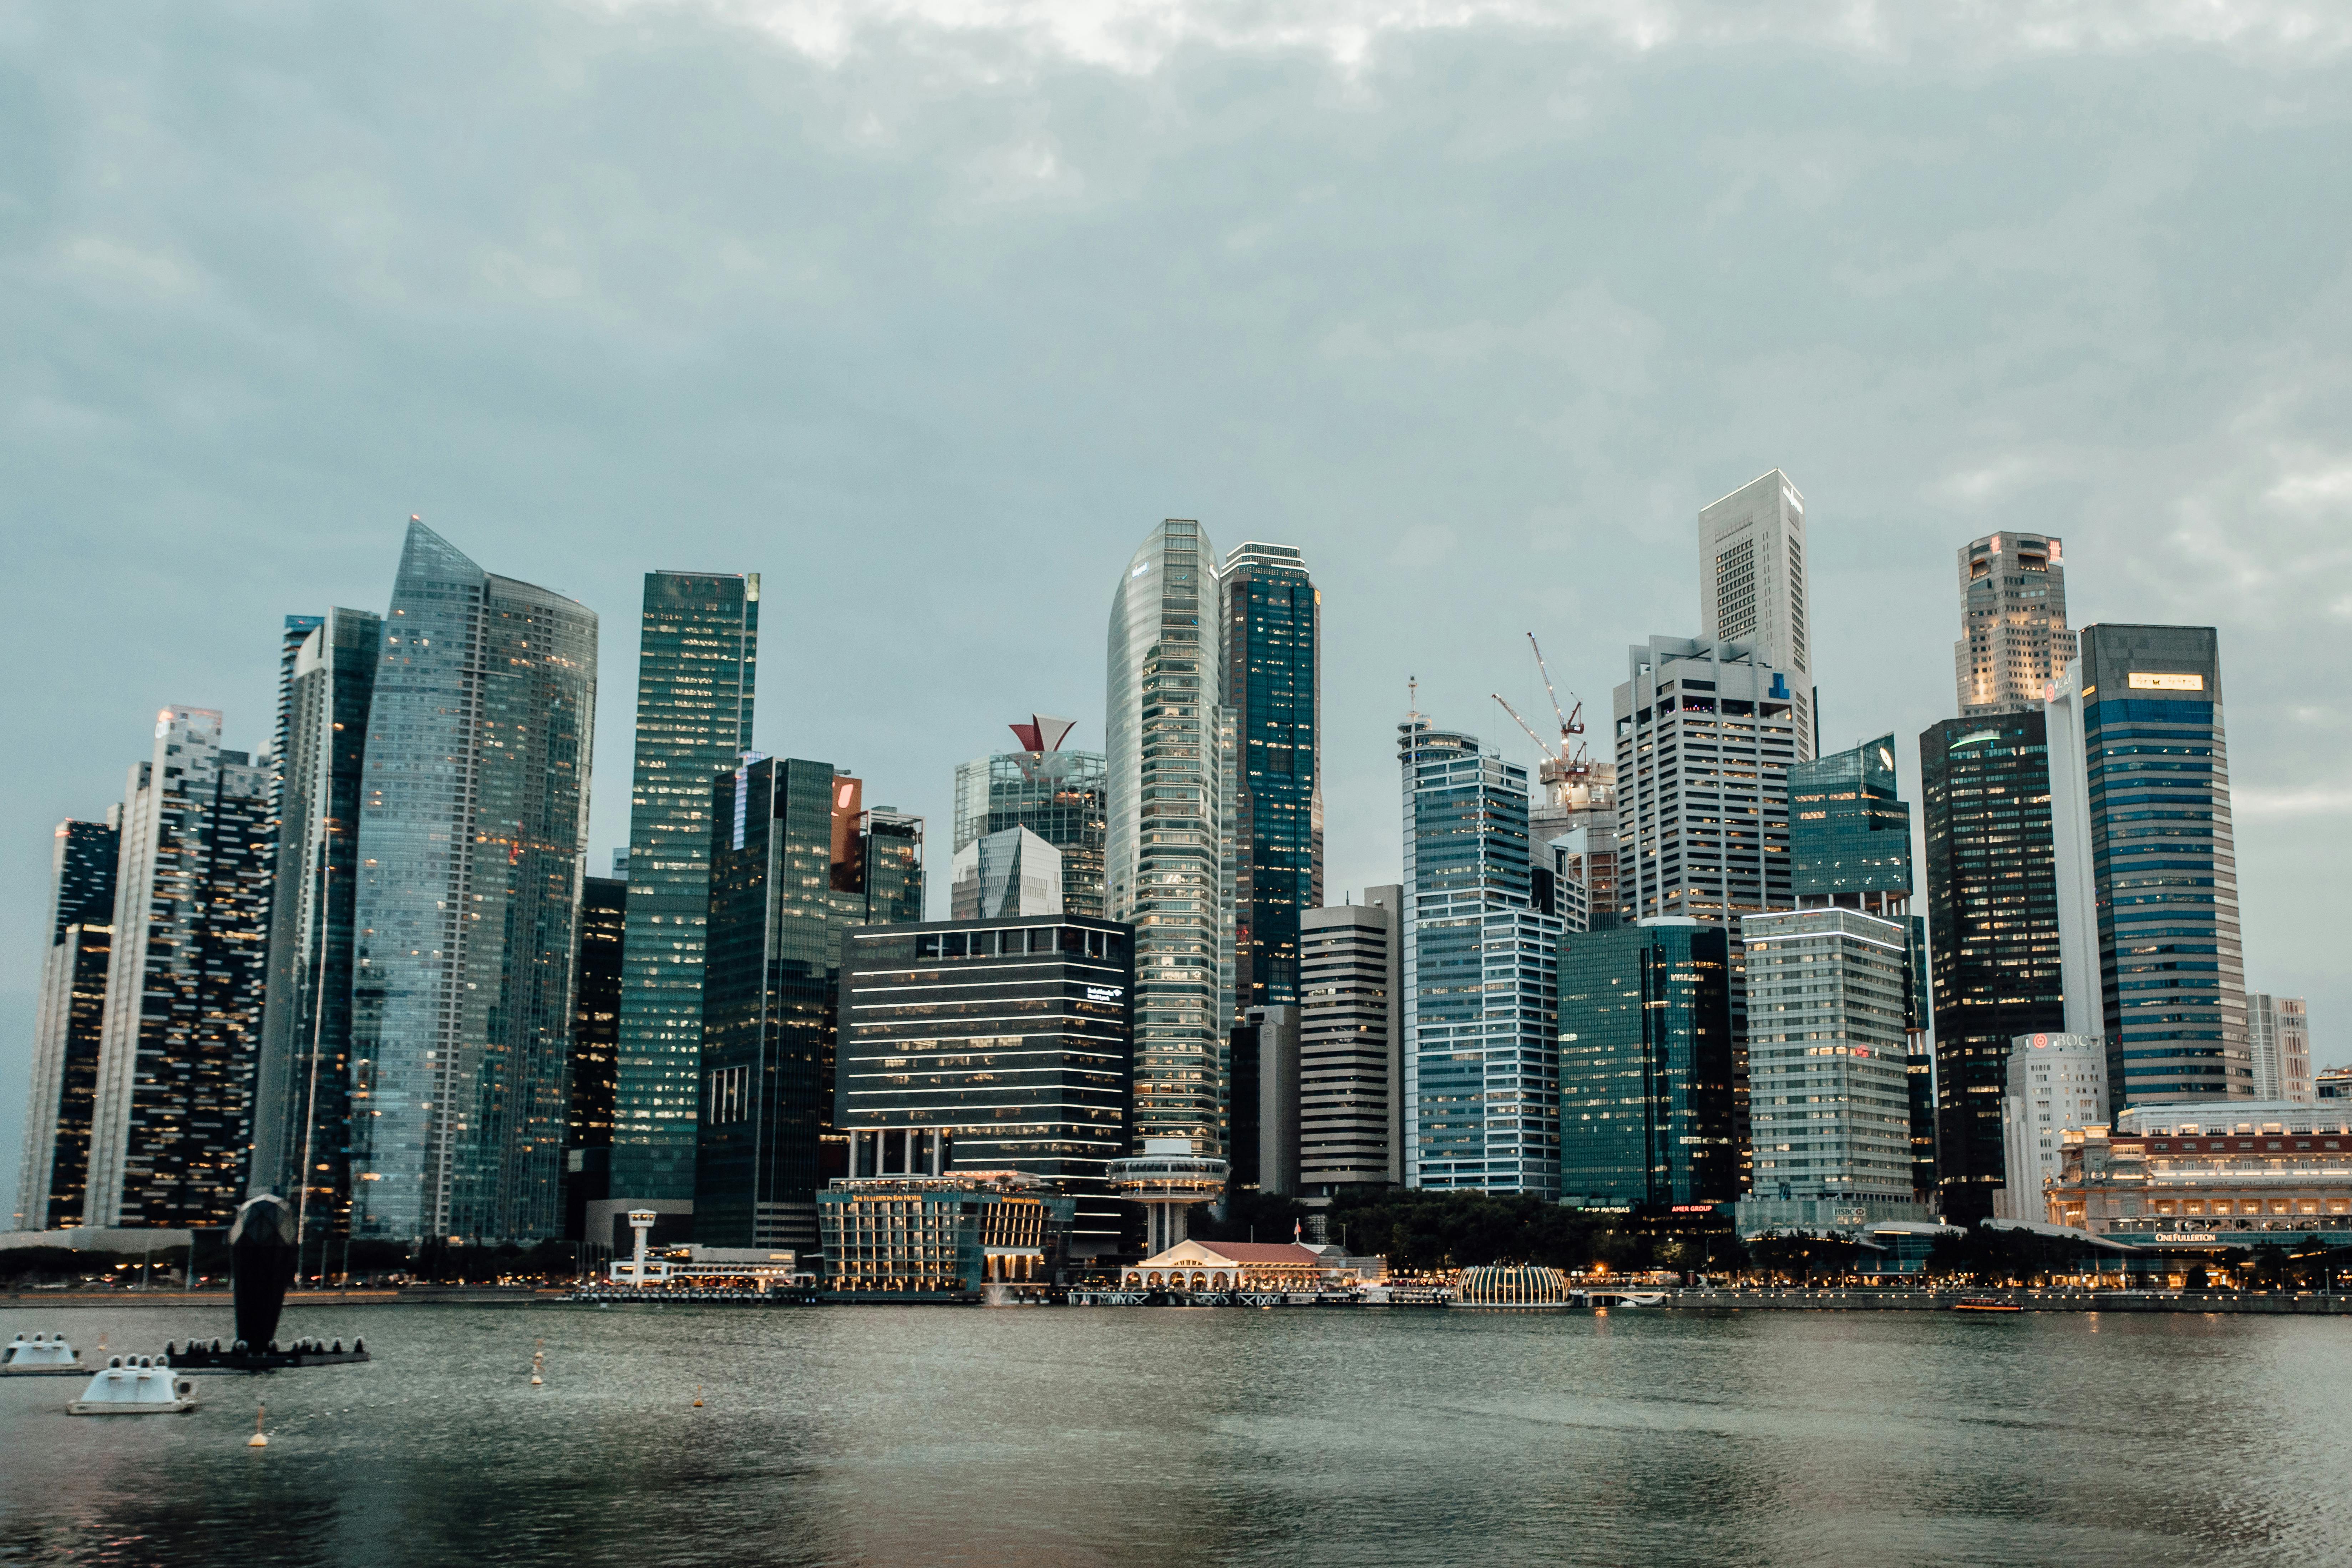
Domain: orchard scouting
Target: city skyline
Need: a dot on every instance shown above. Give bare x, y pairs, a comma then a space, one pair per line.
1476, 417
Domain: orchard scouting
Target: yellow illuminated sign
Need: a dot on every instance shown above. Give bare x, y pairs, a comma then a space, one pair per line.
2139, 682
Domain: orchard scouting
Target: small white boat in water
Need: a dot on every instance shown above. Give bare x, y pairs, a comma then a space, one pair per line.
43, 1355
136, 1385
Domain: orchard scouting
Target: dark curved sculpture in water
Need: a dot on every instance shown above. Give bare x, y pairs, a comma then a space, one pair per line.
261, 1266
262, 1255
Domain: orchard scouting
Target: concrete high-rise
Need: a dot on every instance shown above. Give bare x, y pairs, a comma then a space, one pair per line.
698, 662
2278, 1036
1171, 853
1754, 585
1706, 734
1059, 796
1481, 975
173, 1118
66, 1023
1265, 1097
1827, 1064
796, 860
1993, 929
1645, 1065
2147, 864
473, 829
2057, 1084
2013, 636
301, 1114
1351, 1038
1274, 685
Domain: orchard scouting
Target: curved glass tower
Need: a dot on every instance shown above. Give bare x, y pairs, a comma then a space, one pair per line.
473, 820
1169, 855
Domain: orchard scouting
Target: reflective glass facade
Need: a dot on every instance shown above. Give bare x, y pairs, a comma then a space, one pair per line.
173, 1118
1849, 837
1273, 672
2163, 862
301, 1133
1645, 1067
795, 861
1169, 855
1481, 976
1993, 925
473, 826
1010, 1041
696, 666
69, 1013
1060, 797
595, 1050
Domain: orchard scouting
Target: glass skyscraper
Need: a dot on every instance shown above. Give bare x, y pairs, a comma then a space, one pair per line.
1274, 685
595, 1052
1645, 1067
795, 861
2147, 864
1481, 975
301, 1117
696, 668
992, 1045
1061, 796
1993, 925
1171, 853
54, 1175
473, 824
173, 1118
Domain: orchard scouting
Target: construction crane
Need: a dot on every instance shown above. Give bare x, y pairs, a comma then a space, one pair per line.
1567, 765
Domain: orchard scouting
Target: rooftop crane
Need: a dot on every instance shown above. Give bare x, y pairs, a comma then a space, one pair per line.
1567, 765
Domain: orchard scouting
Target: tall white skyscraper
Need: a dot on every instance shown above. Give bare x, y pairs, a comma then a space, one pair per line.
1168, 858
1753, 585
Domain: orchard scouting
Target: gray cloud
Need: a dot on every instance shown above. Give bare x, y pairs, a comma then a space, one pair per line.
927, 312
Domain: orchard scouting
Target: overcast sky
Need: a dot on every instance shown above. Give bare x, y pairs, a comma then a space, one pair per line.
927, 311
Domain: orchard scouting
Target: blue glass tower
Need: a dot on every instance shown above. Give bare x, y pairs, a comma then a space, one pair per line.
2147, 874
473, 823
697, 663
1274, 686
1645, 1065
1481, 975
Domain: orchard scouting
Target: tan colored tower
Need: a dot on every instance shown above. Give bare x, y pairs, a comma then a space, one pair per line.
2014, 640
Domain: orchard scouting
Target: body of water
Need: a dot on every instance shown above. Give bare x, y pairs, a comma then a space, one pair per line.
1053, 1436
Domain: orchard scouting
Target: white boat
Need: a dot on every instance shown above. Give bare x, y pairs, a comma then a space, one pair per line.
136, 1385
43, 1355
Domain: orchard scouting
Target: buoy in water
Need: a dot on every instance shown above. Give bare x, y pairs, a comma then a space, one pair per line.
698, 1396
259, 1439
538, 1362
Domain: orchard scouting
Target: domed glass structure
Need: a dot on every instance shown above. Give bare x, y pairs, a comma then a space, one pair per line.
1511, 1285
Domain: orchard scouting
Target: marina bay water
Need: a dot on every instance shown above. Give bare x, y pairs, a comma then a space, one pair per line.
1053, 1437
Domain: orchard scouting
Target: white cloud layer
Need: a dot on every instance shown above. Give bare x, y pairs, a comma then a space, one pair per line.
1139, 35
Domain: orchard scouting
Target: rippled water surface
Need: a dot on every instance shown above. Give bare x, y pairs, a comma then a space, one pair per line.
1052, 1436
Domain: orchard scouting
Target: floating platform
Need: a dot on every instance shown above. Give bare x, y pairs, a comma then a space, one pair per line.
238, 1356
43, 1355
136, 1385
